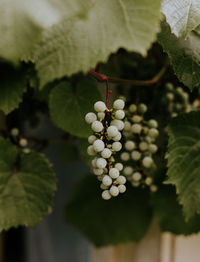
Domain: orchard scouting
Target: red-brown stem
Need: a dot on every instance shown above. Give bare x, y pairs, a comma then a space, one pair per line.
103, 78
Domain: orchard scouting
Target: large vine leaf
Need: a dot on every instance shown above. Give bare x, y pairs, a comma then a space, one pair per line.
184, 55
22, 23
69, 105
182, 16
80, 42
169, 215
12, 85
121, 219
27, 186
184, 160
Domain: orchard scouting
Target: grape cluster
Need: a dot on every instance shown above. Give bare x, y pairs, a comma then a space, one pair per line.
177, 100
139, 146
107, 125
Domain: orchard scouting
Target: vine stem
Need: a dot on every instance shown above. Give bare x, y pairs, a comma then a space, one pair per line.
103, 78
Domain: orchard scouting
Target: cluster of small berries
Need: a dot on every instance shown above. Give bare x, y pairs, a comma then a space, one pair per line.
139, 146
104, 144
177, 100
20, 141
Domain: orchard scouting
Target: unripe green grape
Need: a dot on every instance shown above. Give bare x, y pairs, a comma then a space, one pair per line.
125, 156
132, 108
142, 108
136, 155
129, 145
136, 128
137, 176
137, 119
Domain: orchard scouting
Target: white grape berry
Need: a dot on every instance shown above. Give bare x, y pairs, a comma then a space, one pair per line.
106, 153
135, 155
153, 188
122, 188
132, 108
137, 119
90, 118
148, 139
148, 181
26, 150
153, 148
129, 145
117, 137
106, 195
128, 170
101, 163
116, 146
91, 139
98, 145
93, 162
90, 151
153, 132
127, 126
153, 123
121, 180
112, 131
170, 96
99, 106
101, 115
136, 176
97, 171
107, 181
142, 108
143, 146
118, 104
113, 173
118, 123
119, 114
23, 142
125, 156
102, 186
114, 191
119, 166
97, 126
14, 132
136, 128
147, 161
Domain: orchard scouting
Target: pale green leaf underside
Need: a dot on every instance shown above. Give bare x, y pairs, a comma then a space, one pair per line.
64, 97
182, 16
184, 55
22, 23
184, 160
79, 43
12, 85
26, 191
121, 219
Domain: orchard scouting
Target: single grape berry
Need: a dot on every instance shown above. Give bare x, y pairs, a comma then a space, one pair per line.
90, 118
116, 146
118, 104
114, 173
98, 145
101, 163
112, 131
23, 142
106, 195
97, 126
14, 132
99, 106
114, 191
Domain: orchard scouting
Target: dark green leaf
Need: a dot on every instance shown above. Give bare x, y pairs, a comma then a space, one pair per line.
69, 105
184, 55
168, 213
121, 219
27, 185
184, 160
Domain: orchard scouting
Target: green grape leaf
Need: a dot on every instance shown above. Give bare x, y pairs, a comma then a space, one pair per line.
121, 219
13, 84
80, 42
184, 55
69, 105
22, 23
184, 160
169, 215
182, 16
27, 186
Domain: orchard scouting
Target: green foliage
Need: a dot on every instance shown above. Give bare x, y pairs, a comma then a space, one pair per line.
13, 83
69, 152
81, 98
27, 186
183, 160
182, 16
80, 42
118, 220
184, 55
169, 215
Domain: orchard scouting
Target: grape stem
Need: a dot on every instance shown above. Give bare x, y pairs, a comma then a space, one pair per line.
103, 78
